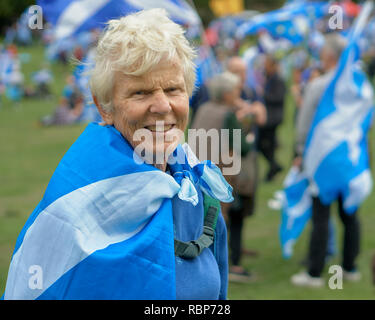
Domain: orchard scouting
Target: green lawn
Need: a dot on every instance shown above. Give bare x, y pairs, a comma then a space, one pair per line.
29, 154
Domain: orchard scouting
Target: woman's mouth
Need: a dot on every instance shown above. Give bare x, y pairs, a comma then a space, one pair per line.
160, 127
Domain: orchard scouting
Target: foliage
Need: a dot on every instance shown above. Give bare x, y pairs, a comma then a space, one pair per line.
10, 10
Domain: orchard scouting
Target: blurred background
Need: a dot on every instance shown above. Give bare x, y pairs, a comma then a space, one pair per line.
45, 104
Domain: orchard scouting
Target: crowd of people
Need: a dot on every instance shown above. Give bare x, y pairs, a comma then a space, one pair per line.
231, 101
249, 94
74, 102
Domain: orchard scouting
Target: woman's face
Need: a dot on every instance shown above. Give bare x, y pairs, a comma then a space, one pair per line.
155, 103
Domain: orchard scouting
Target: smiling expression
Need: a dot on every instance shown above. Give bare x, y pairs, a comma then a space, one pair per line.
141, 102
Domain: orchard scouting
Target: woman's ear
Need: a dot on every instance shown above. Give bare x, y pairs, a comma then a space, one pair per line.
106, 116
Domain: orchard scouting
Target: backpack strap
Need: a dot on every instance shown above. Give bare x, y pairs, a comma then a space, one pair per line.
193, 248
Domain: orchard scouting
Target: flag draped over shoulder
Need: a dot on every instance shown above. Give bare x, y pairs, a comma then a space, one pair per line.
104, 228
336, 153
72, 17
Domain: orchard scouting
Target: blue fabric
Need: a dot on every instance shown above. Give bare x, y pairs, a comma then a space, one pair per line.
336, 152
104, 228
282, 23
140, 274
205, 277
296, 210
336, 160
53, 10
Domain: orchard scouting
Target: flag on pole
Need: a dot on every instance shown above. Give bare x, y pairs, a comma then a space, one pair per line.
71, 17
104, 228
336, 156
296, 209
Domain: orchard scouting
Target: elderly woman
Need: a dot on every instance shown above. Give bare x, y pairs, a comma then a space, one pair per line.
115, 222
226, 110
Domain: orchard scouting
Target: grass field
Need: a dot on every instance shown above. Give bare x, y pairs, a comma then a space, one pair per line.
29, 154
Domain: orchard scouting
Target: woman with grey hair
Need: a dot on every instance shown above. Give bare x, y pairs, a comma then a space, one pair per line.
111, 226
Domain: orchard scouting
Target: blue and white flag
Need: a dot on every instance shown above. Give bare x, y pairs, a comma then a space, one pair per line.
207, 65
336, 156
71, 17
90, 112
250, 56
291, 22
104, 228
296, 209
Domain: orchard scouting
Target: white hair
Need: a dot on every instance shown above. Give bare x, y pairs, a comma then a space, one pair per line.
133, 45
335, 44
221, 84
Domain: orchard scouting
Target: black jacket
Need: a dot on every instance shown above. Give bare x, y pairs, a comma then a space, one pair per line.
274, 96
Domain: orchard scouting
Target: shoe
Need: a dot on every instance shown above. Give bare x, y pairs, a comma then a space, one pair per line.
303, 279
351, 276
250, 252
240, 275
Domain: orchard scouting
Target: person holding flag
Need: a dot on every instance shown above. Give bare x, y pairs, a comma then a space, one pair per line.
332, 149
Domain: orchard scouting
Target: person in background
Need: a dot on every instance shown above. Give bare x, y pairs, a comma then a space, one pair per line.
42, 80
296, 89
70, 106
119, 228
330, 54
226, 110
237, 65
273, 97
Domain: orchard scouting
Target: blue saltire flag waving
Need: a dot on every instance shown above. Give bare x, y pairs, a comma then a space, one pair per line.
290, 22
296, 209
336, 153
104, 228
336, 156
71, 17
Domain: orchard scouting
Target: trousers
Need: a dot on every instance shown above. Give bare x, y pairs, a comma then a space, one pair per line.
243, 207
319, 237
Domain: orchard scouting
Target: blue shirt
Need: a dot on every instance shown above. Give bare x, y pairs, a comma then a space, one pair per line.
206, 276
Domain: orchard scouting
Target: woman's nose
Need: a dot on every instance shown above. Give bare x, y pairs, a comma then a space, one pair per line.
160, 103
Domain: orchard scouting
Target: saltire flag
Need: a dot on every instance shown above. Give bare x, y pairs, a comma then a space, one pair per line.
81, 74
249, 56
70, 17
336, 159
6, 66
270, 45
104, 228
296, 209
206, 65
336, 146
226, 26
291, 22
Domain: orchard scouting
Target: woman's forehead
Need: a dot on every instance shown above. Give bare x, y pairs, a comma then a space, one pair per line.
166, 71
